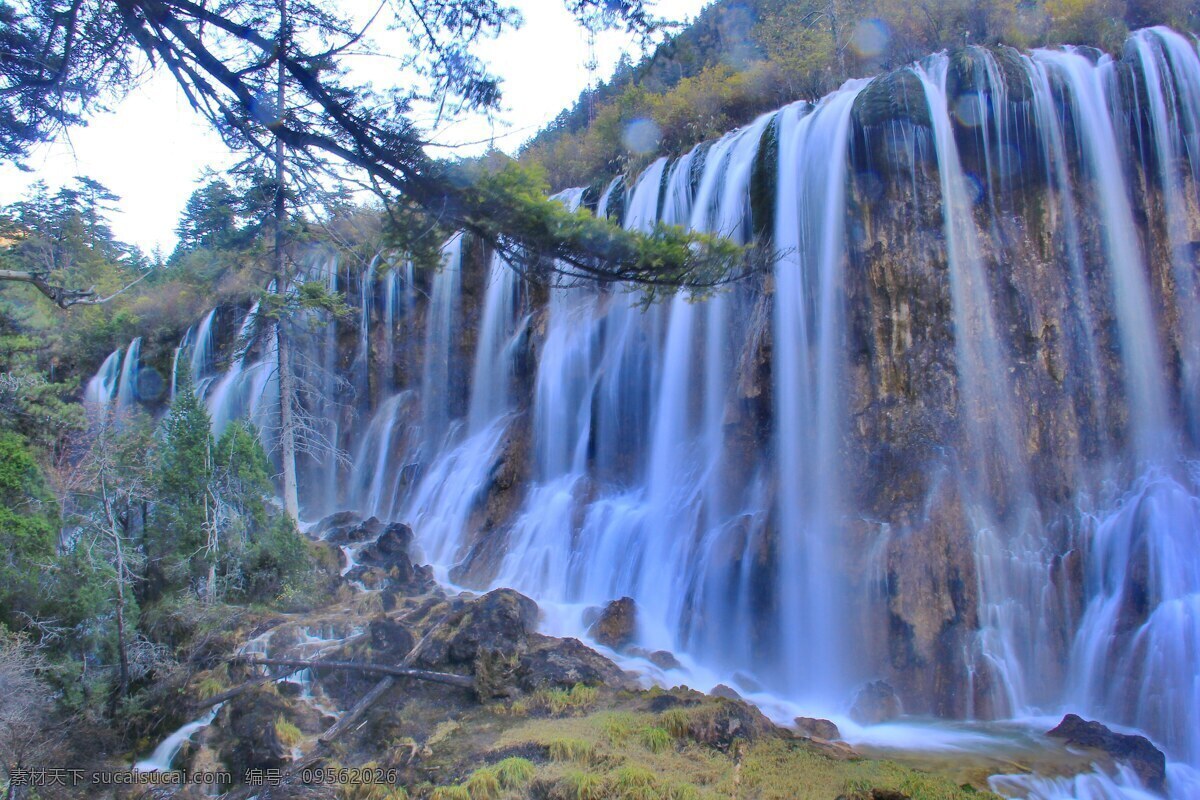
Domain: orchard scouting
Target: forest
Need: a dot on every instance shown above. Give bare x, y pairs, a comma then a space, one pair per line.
837, 360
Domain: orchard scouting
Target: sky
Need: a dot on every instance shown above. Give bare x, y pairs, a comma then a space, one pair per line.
151, 149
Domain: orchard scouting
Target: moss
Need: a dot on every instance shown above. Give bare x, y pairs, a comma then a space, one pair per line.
763, 182
896, 95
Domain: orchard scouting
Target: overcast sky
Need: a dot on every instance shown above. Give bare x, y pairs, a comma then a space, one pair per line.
152, 148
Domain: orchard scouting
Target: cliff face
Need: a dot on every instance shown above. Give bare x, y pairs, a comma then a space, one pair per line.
889, 458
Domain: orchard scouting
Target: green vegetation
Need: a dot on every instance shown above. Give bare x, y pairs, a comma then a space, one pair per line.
514, 772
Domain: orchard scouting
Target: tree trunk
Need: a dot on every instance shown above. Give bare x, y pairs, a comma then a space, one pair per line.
114, 531
287, 380
835, 31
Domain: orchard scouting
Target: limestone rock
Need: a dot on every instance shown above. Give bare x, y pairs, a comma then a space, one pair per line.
721, 690
390, 637
561, 663
875, 703
1146, 760
500, 621
815, 728
617, 624
664, 660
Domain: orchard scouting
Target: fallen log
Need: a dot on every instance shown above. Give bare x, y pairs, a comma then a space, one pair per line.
448, 678
235, 691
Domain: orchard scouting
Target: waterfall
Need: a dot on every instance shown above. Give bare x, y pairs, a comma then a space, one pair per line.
1031, 299
201, 362
127, 391
807, 323
102, 387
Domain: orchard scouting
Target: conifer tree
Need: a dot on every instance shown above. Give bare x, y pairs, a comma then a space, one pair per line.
179, 523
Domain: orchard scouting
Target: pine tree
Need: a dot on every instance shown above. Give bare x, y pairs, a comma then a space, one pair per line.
179, 525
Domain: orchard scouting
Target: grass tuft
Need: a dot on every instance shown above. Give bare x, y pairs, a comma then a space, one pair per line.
676, 722
583, 786
484, 784
287, 733
656, 740
515, 772
576, 751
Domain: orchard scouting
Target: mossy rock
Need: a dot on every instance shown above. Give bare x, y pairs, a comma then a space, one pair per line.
968, 73
895, 96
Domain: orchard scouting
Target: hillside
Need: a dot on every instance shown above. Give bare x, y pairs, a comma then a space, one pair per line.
741, 58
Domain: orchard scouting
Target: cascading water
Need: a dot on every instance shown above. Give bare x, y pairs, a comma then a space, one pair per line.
201, 361
101, 389
127, 392
644, 454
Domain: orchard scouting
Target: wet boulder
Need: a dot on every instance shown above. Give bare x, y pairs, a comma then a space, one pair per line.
728, 692
552, 663
616, 625
339, 520
390, 637
815, 728
664, 659
1146, 760
250, 738
498, 622
353, 532
875, 703
387, 563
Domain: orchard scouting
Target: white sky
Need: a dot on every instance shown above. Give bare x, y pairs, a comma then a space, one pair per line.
152, 148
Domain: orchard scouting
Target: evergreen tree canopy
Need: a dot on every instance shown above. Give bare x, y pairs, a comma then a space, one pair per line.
236, 60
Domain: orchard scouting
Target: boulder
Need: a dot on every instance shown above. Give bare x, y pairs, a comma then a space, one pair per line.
390, 637
815, 728
250, 739
748, 682
340, 520
721, 690
664, 660
551, 663
875, 703
499, 622
1146, 760
389, 556
721, 722
616, 625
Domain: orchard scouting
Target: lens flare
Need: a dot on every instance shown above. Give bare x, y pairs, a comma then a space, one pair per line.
641, 136
870, 38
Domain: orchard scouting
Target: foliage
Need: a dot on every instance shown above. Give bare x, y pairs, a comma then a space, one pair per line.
183, 476
740, 59
28, 531
546, 241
